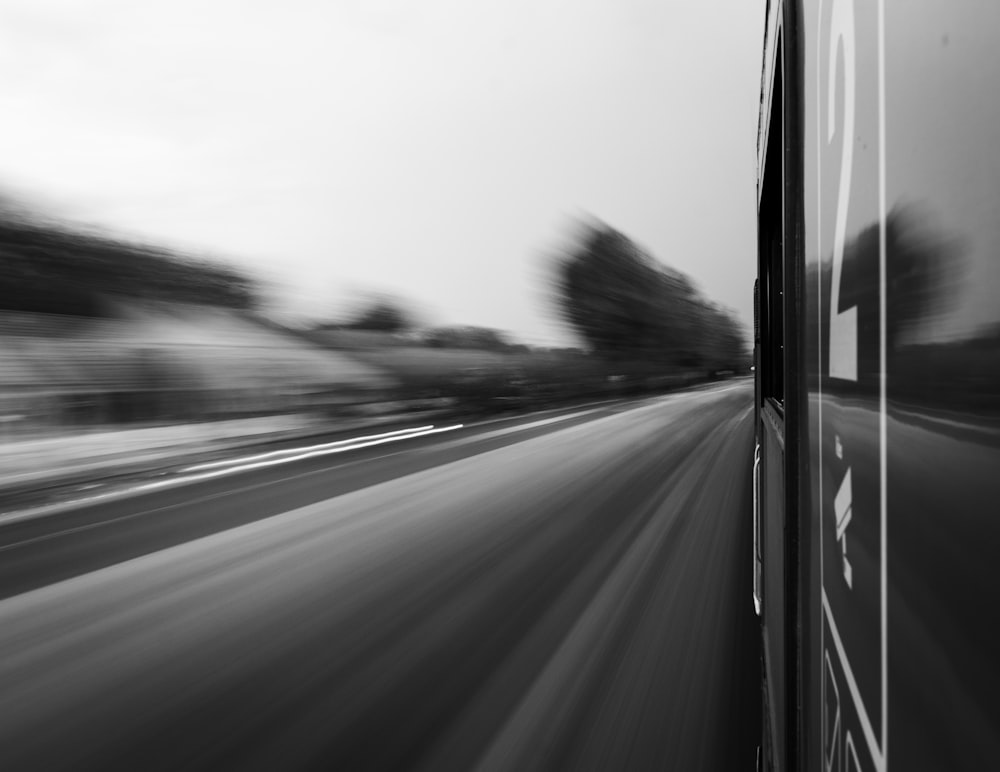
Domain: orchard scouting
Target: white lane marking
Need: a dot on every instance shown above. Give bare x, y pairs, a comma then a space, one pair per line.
53, 509
9, 517
65, 506
533, 424
292, 451
276, 461
581, 406
511, 429
121, 493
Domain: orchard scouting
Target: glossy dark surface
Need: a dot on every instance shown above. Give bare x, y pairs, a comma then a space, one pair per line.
902, 360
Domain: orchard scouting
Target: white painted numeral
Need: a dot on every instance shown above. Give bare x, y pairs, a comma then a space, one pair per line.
843, 324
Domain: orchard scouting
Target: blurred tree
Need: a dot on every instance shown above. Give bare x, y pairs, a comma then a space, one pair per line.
383, 315
51, 268
628, 307
607, 289
925, 266
723, 340
484, 338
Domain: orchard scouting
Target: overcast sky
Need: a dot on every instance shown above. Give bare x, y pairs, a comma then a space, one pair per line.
435, 150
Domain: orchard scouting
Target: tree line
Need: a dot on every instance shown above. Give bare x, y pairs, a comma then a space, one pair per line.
51, 268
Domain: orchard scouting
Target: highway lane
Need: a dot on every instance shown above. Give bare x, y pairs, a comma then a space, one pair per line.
162, 509
577, 597
130, 520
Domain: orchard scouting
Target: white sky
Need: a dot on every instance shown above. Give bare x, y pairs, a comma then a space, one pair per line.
433, 150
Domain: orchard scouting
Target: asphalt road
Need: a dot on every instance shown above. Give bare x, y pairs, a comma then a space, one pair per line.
561, 592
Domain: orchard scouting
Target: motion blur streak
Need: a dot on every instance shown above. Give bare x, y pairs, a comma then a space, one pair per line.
398, 434
247, 467
579, 599
243, 467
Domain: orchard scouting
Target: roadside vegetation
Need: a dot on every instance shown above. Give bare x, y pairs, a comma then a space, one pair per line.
119, 358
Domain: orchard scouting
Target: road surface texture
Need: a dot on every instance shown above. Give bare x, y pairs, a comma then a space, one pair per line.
569, 592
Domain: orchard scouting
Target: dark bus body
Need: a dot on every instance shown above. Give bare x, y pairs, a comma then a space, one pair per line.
877, 367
